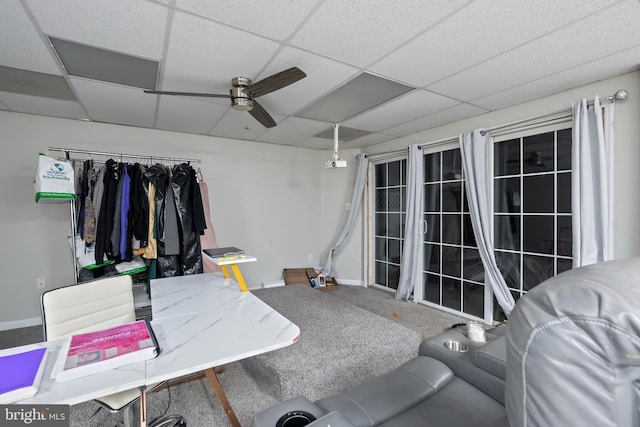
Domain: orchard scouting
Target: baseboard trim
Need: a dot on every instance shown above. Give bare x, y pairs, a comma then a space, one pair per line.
23, 323
350, 282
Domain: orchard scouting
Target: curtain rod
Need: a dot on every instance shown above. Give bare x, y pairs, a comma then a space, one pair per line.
620, 95
66, 151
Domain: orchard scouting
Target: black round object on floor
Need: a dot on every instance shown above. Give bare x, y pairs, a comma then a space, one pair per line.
295, 419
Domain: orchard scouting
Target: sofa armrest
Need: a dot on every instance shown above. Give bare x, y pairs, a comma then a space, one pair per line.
492, 357
463, 363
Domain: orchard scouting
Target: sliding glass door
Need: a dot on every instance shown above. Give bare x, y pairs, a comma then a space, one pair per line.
453, 276
389, 200
532, 223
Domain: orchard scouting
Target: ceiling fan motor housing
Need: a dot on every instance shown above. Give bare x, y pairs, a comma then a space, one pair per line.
240, 101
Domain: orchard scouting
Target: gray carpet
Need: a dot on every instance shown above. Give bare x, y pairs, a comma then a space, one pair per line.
347, 334
340, 345
418, 317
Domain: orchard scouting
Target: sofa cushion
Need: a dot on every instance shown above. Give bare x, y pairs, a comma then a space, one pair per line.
458, 404
379, 399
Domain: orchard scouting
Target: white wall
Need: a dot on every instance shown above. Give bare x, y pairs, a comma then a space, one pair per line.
264, 198
626, 150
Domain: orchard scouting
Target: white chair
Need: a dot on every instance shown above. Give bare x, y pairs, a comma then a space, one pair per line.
92, 306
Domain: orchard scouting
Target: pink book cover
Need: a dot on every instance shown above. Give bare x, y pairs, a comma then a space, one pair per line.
92, 347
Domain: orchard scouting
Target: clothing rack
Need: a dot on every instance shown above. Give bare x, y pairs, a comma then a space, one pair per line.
122, 156
151, 159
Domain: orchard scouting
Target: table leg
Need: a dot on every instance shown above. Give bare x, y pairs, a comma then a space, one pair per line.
225, 271
222, 397
239, 278
143, 406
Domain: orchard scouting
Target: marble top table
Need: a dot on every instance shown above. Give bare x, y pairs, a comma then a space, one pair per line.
201, 321
204, 320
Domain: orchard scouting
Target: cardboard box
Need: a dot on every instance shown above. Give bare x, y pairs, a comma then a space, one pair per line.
302, 276
298, 276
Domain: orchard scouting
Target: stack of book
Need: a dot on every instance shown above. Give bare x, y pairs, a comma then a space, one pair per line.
20, 373
93, 352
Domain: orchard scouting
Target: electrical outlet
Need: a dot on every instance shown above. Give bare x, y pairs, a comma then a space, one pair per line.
40, 283
309, 257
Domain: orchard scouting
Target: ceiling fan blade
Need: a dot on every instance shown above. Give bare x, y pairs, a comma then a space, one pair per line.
208, 95
261, 115
274, 82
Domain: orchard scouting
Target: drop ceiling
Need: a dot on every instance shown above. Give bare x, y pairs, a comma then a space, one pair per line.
459, 58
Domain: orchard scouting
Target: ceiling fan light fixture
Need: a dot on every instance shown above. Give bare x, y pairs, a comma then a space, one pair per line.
239, 100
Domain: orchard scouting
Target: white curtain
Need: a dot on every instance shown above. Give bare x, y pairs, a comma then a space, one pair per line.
356, 202
477, 161
591, 197
410, 268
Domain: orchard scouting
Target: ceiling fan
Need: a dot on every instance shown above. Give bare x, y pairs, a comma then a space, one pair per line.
243, 93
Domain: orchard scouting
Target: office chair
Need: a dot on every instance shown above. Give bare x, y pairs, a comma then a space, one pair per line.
92, 306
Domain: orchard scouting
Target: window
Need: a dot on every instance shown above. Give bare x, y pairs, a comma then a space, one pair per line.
453, 276
390, 207
532, 206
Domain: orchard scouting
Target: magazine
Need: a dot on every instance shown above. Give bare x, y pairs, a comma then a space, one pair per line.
93, 352
20, 374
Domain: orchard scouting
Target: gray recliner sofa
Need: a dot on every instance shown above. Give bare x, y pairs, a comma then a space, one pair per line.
568, 356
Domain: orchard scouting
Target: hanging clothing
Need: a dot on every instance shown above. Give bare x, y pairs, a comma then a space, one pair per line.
83, 188
125, 237
115, 232
139, 207
89, 227
103, 245
98, 192
191, 217
168, 265
151, 251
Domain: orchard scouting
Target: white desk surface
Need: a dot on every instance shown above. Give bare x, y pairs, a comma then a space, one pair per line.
204, 320
85, 388
201, 321
239, 260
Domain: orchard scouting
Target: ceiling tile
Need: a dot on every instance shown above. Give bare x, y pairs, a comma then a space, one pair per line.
292, 130
323, 75
111, 103
240, 125
27, 82
316, 143
358, 33
188, 114
204, 56
43, 106
360, 94
21, 45
134, 27
415, 104
459, 112
367, 140
575, 77
511, 24
579, 43
275, 18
